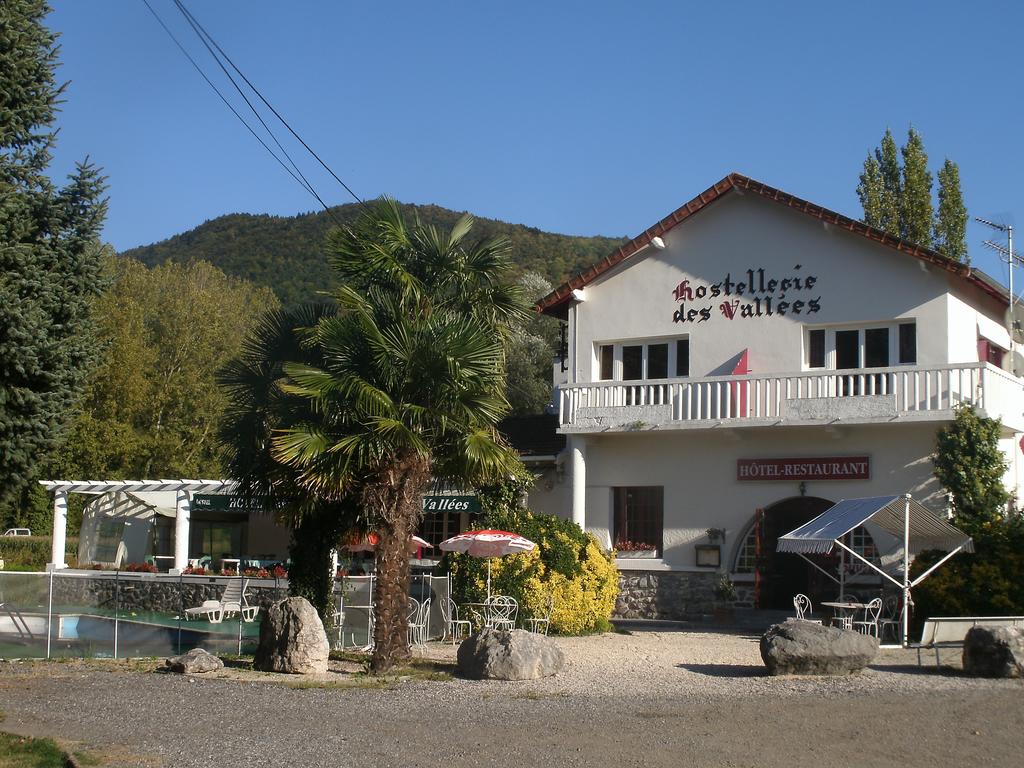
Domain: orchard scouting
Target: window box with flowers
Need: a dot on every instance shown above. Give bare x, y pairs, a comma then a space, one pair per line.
635, 550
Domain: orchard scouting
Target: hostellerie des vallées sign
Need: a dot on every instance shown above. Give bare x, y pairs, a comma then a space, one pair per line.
747, 294
821, 468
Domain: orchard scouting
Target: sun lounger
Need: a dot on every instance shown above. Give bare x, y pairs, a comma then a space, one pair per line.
233, 601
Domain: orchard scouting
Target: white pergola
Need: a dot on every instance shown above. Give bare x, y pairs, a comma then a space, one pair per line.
183, 490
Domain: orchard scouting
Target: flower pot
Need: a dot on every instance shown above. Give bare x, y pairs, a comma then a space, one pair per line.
637, 554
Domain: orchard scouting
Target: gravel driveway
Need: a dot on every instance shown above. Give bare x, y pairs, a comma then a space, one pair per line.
650, 698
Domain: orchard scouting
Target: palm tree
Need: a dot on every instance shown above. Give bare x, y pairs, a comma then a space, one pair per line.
407, 386
257, 407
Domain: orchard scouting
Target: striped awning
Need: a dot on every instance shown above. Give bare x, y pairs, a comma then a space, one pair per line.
928, 530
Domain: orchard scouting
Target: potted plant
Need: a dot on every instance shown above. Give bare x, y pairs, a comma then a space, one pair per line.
725, 596
634, 550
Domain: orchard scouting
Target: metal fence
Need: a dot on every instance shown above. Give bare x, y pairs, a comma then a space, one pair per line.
117, 614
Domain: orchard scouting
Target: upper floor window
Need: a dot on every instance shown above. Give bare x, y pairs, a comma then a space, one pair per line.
637, 361
866, 347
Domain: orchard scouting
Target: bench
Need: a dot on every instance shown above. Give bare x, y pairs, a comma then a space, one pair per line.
950, 631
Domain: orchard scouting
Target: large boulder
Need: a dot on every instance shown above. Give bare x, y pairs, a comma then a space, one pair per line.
797, 647
194, 662
499, 654
994, 651
292, 639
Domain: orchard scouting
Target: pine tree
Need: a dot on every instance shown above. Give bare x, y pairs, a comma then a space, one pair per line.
916, 200
49, 253
870, 192
888, 160
951, 218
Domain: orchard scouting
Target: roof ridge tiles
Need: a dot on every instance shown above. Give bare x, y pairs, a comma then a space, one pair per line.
736, 181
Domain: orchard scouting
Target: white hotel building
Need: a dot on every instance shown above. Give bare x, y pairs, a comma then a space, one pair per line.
750, 360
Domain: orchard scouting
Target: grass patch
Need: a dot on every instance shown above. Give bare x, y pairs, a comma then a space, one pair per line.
424, 671
21, 752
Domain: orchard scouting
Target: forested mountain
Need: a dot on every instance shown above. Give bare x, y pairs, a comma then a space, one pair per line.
284, 252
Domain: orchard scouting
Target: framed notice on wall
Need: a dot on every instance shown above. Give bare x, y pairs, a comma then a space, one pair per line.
709, 555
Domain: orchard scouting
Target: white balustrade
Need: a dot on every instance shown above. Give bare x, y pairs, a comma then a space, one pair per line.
911, 389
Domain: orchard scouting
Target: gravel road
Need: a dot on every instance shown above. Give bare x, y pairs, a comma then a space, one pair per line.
650, 698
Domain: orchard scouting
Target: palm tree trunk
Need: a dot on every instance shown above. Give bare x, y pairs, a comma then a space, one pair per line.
398, 497
391, 603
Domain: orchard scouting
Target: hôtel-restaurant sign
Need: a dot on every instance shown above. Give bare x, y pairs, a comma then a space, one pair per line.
824, 468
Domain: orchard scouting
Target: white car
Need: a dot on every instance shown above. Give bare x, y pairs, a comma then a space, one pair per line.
17, 532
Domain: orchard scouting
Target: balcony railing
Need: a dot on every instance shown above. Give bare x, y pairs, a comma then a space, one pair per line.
875, 394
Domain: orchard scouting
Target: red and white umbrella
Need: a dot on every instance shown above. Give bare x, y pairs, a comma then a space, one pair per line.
369, 544
488, 544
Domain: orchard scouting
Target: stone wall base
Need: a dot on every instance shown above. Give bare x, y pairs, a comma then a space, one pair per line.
672, 596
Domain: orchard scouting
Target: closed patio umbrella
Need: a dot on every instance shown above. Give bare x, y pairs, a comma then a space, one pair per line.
369, 544
489, 543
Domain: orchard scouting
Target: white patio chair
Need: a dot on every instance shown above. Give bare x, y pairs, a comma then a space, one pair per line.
892, 617
802, 604
540, 624
454, 627
501, 612
418, 622
338, 619
869, 625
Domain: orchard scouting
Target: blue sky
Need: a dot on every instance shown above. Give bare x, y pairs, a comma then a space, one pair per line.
574, 117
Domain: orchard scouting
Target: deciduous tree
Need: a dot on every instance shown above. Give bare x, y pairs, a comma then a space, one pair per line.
951, 218
529, 350
898, 198
970, 466
916, 199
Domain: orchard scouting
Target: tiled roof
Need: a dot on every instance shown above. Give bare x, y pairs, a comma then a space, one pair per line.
555, 303
533, 435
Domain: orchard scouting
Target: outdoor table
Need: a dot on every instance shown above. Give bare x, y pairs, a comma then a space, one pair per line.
845, 611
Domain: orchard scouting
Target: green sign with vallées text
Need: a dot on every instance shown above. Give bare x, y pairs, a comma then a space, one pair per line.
451, 504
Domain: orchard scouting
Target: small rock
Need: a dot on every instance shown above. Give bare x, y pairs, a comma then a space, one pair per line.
994, 652
495, 654
292, 639
195, 662
797, 647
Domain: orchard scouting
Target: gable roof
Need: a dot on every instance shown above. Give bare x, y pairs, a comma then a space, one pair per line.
556, 302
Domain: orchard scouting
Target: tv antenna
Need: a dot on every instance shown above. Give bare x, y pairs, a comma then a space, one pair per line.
1014, 318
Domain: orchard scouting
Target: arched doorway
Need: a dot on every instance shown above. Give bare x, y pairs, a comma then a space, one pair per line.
782, 575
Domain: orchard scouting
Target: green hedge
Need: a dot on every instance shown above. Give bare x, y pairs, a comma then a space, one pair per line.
986, 583
31, 553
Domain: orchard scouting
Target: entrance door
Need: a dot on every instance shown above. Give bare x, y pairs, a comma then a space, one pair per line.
783, 574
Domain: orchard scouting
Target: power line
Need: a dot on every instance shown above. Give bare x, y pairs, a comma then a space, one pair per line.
188, 14
200, 34
227, 103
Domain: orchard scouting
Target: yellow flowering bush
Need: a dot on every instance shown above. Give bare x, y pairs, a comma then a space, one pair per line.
568, 566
